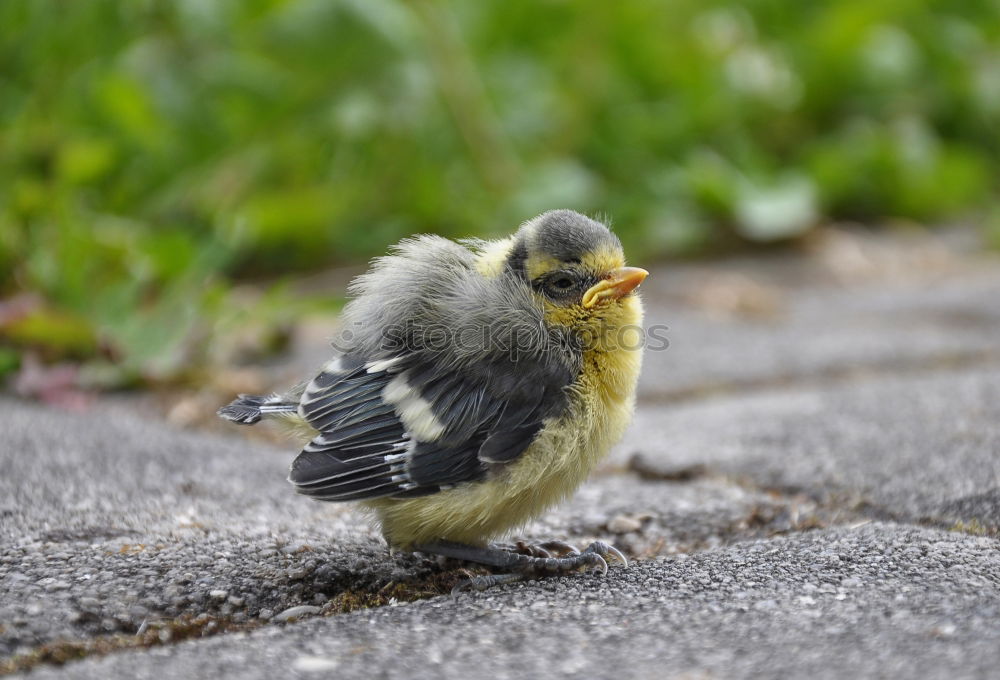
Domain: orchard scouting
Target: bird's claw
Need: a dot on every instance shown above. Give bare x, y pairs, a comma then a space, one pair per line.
593, 560
607, 551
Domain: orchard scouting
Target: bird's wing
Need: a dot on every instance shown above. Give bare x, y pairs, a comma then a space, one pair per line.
397, 427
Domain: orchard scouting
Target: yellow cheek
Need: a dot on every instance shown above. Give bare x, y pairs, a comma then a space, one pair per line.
622, 316
571, 316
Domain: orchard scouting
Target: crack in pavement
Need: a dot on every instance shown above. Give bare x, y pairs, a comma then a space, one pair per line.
161, 631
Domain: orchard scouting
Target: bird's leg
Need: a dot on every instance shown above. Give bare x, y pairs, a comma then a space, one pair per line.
521, 566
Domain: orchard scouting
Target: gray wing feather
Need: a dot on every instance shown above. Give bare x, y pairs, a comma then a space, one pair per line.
364, 450
487, 403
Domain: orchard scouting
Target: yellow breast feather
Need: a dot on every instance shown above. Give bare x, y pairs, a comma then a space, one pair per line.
561, 457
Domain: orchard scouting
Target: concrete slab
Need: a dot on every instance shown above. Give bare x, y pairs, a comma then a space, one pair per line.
923, 446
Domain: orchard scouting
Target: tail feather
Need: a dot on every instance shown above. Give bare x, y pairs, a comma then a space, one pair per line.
248, 409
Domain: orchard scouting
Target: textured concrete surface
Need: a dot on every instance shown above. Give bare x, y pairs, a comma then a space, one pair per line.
880, 600
811, 487
110, 521
919, 447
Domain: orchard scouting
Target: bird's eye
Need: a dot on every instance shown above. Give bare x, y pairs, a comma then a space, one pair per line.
560, 284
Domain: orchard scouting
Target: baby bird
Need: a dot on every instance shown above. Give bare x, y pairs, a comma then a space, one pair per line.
477, 384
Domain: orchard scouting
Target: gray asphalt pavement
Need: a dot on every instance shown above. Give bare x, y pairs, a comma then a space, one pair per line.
876, 601
811, 487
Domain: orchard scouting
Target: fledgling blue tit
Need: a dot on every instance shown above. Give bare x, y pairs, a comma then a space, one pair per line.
477, 384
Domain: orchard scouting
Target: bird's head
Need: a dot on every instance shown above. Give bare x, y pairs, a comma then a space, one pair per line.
576, 270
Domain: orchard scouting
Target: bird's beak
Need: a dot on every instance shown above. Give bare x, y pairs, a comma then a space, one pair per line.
617, 283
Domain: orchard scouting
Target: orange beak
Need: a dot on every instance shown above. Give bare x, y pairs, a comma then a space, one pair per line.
617, 283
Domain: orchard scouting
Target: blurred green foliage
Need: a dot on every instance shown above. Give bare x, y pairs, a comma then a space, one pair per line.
153, 152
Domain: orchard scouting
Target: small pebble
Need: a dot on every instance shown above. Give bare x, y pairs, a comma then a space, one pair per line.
623, 524
296, 612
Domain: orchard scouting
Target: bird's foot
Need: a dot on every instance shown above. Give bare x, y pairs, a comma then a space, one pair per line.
546, 549
523, 566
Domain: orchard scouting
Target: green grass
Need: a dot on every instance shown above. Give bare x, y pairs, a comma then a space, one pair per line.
153, 153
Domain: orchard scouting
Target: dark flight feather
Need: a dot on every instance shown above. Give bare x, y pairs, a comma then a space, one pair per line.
435, 416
